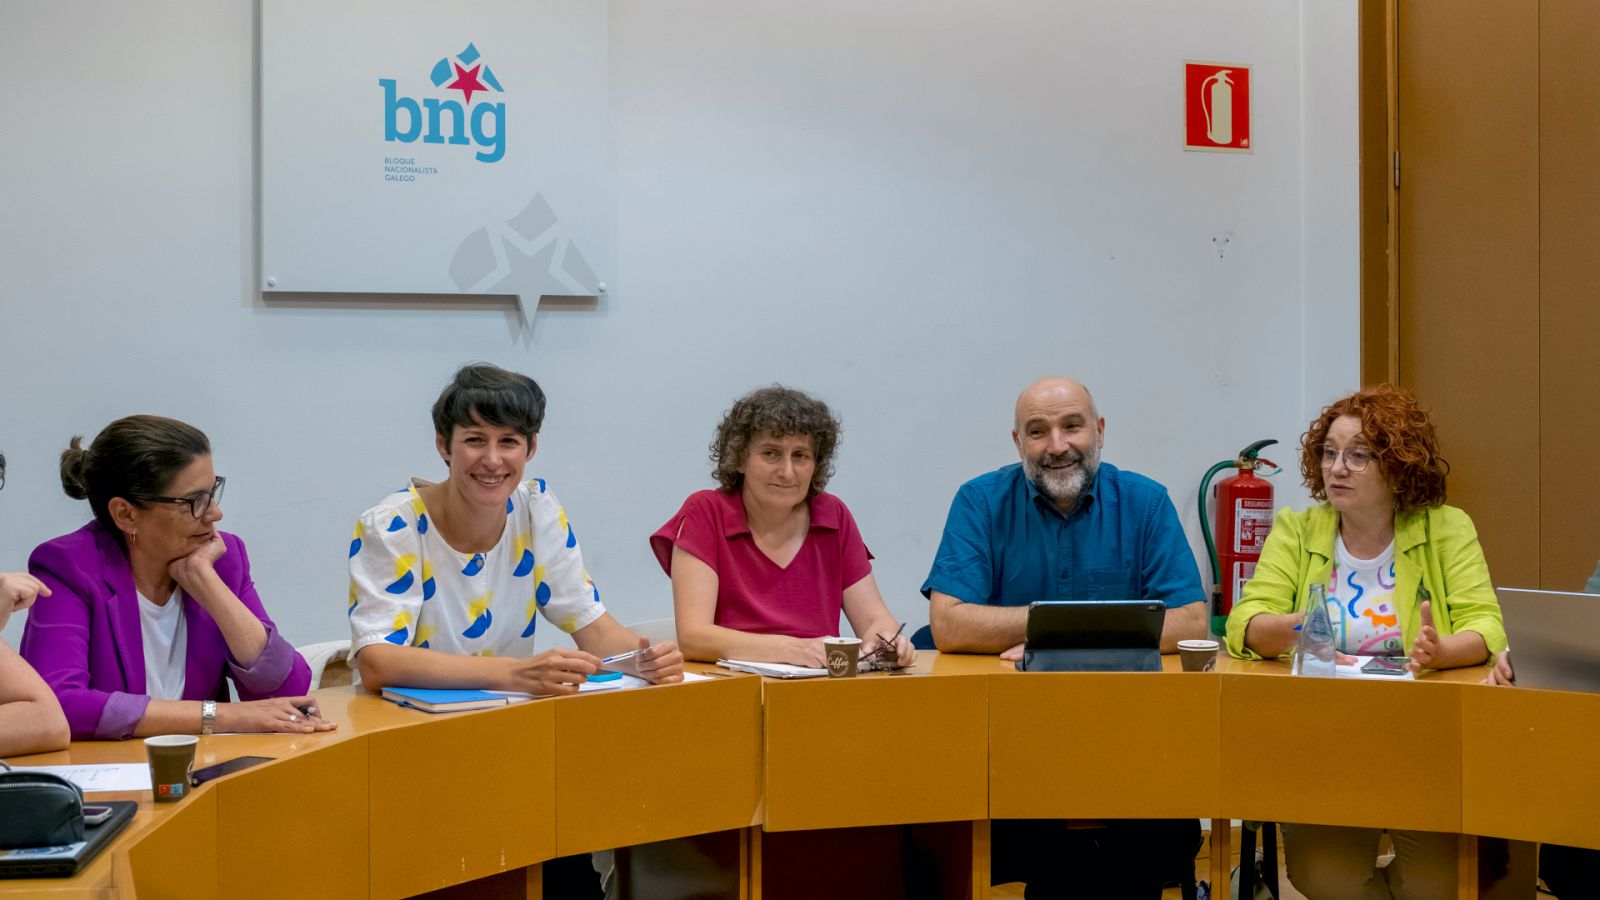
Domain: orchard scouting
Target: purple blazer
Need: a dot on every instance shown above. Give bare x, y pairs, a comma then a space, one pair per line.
85, 639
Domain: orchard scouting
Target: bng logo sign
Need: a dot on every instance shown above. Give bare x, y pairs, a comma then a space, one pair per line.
445, 120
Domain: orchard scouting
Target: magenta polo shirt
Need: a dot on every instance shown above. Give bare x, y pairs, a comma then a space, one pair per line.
755, 594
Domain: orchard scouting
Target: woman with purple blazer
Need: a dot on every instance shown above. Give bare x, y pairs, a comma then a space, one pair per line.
150, 606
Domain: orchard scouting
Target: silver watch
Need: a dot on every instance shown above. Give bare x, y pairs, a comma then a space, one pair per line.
208, 716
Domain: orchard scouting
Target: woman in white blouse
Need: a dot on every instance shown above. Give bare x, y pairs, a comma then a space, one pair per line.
448, 580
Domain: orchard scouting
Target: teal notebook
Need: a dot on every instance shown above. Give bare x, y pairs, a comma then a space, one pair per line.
438, 701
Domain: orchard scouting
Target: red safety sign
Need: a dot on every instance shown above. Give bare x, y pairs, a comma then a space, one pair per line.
1216, 106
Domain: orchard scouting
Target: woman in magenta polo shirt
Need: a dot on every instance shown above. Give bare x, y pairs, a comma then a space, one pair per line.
762, 567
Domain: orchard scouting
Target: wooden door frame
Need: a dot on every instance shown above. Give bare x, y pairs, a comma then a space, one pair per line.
1379, 200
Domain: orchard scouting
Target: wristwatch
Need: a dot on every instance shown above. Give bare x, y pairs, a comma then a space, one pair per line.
208, 716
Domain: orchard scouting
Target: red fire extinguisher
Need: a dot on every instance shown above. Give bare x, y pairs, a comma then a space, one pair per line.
1243, 517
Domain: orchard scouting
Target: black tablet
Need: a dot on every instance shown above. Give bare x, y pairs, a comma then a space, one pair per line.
1099, 636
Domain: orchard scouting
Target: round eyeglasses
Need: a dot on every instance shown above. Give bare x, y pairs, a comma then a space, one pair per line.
1356, 459
200, 502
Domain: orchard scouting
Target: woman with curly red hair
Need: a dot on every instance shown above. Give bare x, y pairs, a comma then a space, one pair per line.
1383, 542
1405, 576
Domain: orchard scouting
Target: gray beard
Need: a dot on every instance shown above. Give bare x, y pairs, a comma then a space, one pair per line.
1063, 488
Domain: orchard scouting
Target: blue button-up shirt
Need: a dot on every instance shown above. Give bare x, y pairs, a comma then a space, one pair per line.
1006, 544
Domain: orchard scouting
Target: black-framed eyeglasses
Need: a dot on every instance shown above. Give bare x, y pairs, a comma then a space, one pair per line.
199, 503
2, 471
1356, 459
884, 656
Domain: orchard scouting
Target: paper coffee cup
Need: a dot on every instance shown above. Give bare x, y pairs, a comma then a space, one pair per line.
1198, 655
171, 763
843, 656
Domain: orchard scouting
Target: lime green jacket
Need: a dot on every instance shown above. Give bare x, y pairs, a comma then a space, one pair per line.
1436, 549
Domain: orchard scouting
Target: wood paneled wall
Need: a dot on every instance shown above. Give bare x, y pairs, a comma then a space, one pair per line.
1496, 105
1569, 290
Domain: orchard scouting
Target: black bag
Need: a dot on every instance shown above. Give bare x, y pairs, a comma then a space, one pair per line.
38, 809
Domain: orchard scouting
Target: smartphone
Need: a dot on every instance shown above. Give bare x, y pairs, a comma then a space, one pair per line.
1386, 665
94, 815
626, 663
227, 767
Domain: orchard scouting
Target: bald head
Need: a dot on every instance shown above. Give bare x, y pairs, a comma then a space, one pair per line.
1058, 434
1054, 392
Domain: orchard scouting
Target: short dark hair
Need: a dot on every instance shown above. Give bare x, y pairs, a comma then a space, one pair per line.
480, 392
778, 411
134, 458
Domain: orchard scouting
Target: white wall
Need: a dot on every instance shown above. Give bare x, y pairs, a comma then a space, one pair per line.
908, 208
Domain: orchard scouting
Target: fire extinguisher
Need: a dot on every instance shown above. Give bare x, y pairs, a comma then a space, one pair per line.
1244, 516
1216, 100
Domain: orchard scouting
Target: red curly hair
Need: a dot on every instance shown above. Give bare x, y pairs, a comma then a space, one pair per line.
1401, 435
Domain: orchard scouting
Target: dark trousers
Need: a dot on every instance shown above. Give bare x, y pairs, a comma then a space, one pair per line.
1570, 871
1130, 858
571, 878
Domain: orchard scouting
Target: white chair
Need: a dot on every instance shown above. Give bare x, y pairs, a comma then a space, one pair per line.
656, 629
330, 664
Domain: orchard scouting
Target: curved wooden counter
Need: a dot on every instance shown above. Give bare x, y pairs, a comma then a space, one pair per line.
397, 802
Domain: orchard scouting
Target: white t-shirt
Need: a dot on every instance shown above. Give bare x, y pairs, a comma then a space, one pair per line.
1361, 604
166, 647
410, 588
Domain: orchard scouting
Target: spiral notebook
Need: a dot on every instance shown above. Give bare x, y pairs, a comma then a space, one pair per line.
771, 669
440, 701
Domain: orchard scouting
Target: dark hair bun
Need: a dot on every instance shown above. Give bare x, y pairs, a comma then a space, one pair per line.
75, 469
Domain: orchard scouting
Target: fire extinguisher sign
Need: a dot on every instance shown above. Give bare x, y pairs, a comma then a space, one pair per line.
1216, 107
1252, 520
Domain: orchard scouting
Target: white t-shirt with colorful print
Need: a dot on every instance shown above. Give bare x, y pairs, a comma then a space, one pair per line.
1361, 604
409, 588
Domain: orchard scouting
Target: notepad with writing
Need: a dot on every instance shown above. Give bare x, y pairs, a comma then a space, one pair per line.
438, 701
771, 669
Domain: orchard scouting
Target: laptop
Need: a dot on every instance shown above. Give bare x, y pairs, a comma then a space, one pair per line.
1554, 638
68, 859
1101, 636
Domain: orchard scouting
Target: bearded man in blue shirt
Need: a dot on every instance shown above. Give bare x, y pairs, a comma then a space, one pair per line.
1063, 526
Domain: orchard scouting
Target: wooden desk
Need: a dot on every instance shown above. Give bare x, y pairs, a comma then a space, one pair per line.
657, 763
843, 752
184, 831
1284, 736
1528, 766
456, 797
1105, 746
396, 802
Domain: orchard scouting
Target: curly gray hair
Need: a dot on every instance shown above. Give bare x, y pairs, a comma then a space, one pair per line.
779, 411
